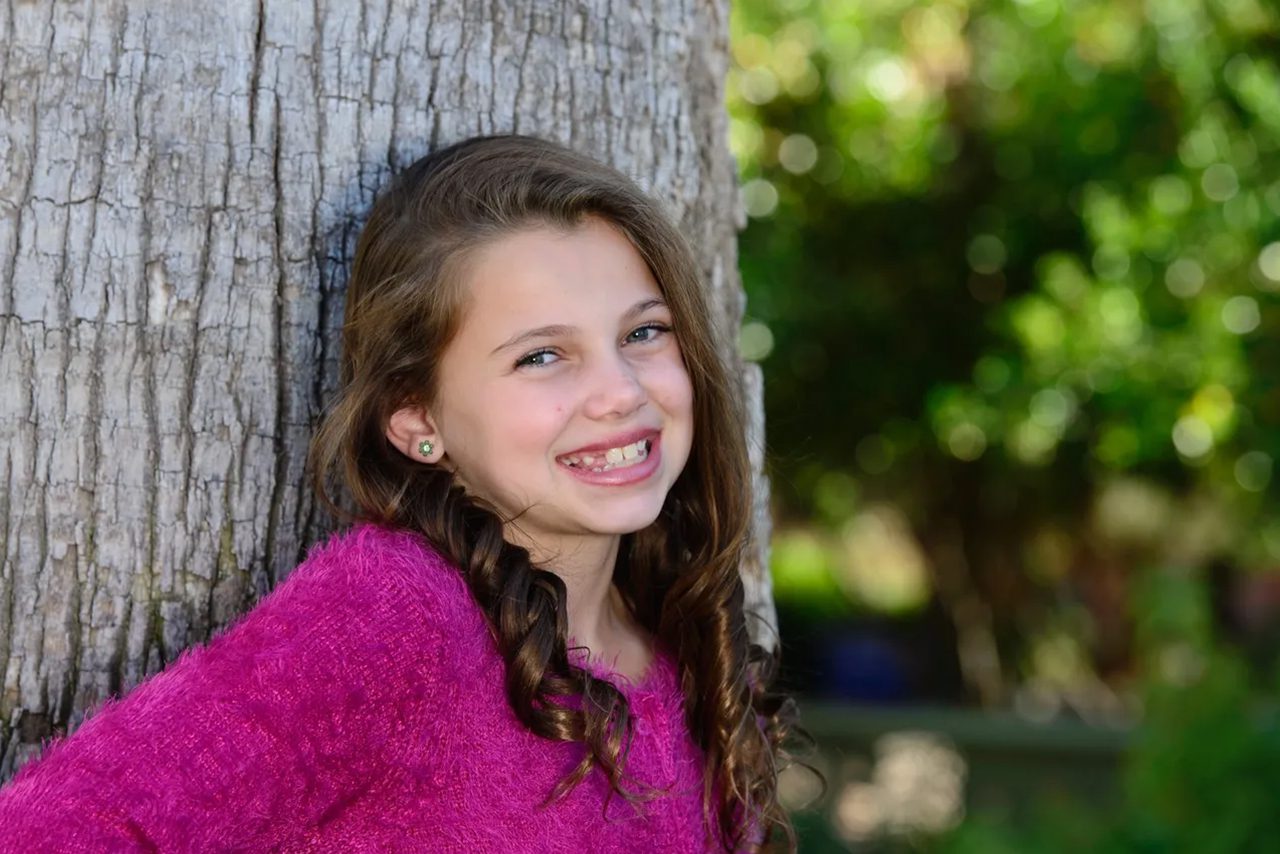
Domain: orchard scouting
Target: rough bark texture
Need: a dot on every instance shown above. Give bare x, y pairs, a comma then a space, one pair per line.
181, 185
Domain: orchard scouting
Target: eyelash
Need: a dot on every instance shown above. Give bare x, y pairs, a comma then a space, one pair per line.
661, 328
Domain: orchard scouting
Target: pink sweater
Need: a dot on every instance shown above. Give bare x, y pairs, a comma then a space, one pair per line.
359, 707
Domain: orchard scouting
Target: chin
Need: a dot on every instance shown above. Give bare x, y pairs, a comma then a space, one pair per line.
626, 523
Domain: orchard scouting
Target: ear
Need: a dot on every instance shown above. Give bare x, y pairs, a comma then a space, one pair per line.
408, 427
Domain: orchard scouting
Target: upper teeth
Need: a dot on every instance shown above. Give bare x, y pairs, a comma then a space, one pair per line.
612, 458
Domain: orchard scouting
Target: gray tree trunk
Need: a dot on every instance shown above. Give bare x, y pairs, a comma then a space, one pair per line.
181, 184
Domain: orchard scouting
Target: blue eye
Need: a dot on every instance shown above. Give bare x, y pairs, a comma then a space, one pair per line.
536, 359
656, 328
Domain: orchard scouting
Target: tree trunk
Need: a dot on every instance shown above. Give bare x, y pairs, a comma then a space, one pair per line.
181, 185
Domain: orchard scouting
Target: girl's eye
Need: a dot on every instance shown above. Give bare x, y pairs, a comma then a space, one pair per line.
648, 332
645, 334
537, 359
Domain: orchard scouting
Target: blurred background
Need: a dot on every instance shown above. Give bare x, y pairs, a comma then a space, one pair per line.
1013, 276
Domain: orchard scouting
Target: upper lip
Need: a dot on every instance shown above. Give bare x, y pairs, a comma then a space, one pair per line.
617, 441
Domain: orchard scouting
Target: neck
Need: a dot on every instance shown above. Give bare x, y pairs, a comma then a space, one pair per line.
596, 613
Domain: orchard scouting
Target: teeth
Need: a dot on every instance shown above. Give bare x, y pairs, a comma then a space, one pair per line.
612, 458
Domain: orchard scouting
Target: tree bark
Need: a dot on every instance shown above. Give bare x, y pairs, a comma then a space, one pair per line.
181, 185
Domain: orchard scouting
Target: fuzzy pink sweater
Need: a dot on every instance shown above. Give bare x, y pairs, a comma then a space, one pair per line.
359, 707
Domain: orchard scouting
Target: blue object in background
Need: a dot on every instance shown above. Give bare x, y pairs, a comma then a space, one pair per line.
863, 667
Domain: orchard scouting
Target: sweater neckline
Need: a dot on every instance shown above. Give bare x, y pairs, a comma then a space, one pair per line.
651, 682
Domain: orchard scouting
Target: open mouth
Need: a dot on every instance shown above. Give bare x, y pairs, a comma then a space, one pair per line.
614, 458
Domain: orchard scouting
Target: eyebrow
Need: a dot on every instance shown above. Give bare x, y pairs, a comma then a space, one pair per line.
556, 329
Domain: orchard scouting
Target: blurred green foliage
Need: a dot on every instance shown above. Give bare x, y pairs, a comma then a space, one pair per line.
1013, 275
1013, 270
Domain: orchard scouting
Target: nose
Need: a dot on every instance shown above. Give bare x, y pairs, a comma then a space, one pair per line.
614, 389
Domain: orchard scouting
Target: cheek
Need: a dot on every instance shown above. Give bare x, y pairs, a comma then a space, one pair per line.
524, 421
671, 387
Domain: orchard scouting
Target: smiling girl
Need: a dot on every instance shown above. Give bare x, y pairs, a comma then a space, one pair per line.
533, 636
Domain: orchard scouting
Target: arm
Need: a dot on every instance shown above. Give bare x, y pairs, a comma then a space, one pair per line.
250, 740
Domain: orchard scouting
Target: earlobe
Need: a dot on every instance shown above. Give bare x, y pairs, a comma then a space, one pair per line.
413, 432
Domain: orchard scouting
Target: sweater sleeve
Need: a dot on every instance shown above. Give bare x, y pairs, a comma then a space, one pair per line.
249, 741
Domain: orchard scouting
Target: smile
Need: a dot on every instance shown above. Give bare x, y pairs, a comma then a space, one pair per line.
613, 458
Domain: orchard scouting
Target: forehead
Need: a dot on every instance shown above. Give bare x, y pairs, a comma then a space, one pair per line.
544, 274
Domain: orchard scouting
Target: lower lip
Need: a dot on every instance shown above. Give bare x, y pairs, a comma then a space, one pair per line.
623, 476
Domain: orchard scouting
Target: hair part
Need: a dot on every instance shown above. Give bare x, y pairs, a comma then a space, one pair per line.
679, 576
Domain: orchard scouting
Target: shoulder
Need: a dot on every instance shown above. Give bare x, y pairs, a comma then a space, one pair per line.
399, 555
292, 709
367, 600
375, 570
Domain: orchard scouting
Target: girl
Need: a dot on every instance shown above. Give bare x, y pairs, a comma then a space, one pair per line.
533, 638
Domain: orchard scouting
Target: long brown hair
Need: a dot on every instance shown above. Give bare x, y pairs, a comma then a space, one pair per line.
679, 576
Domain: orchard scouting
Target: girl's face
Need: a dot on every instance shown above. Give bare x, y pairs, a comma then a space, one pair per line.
563, 399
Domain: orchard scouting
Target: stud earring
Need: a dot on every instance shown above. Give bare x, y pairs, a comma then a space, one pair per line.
425, 447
